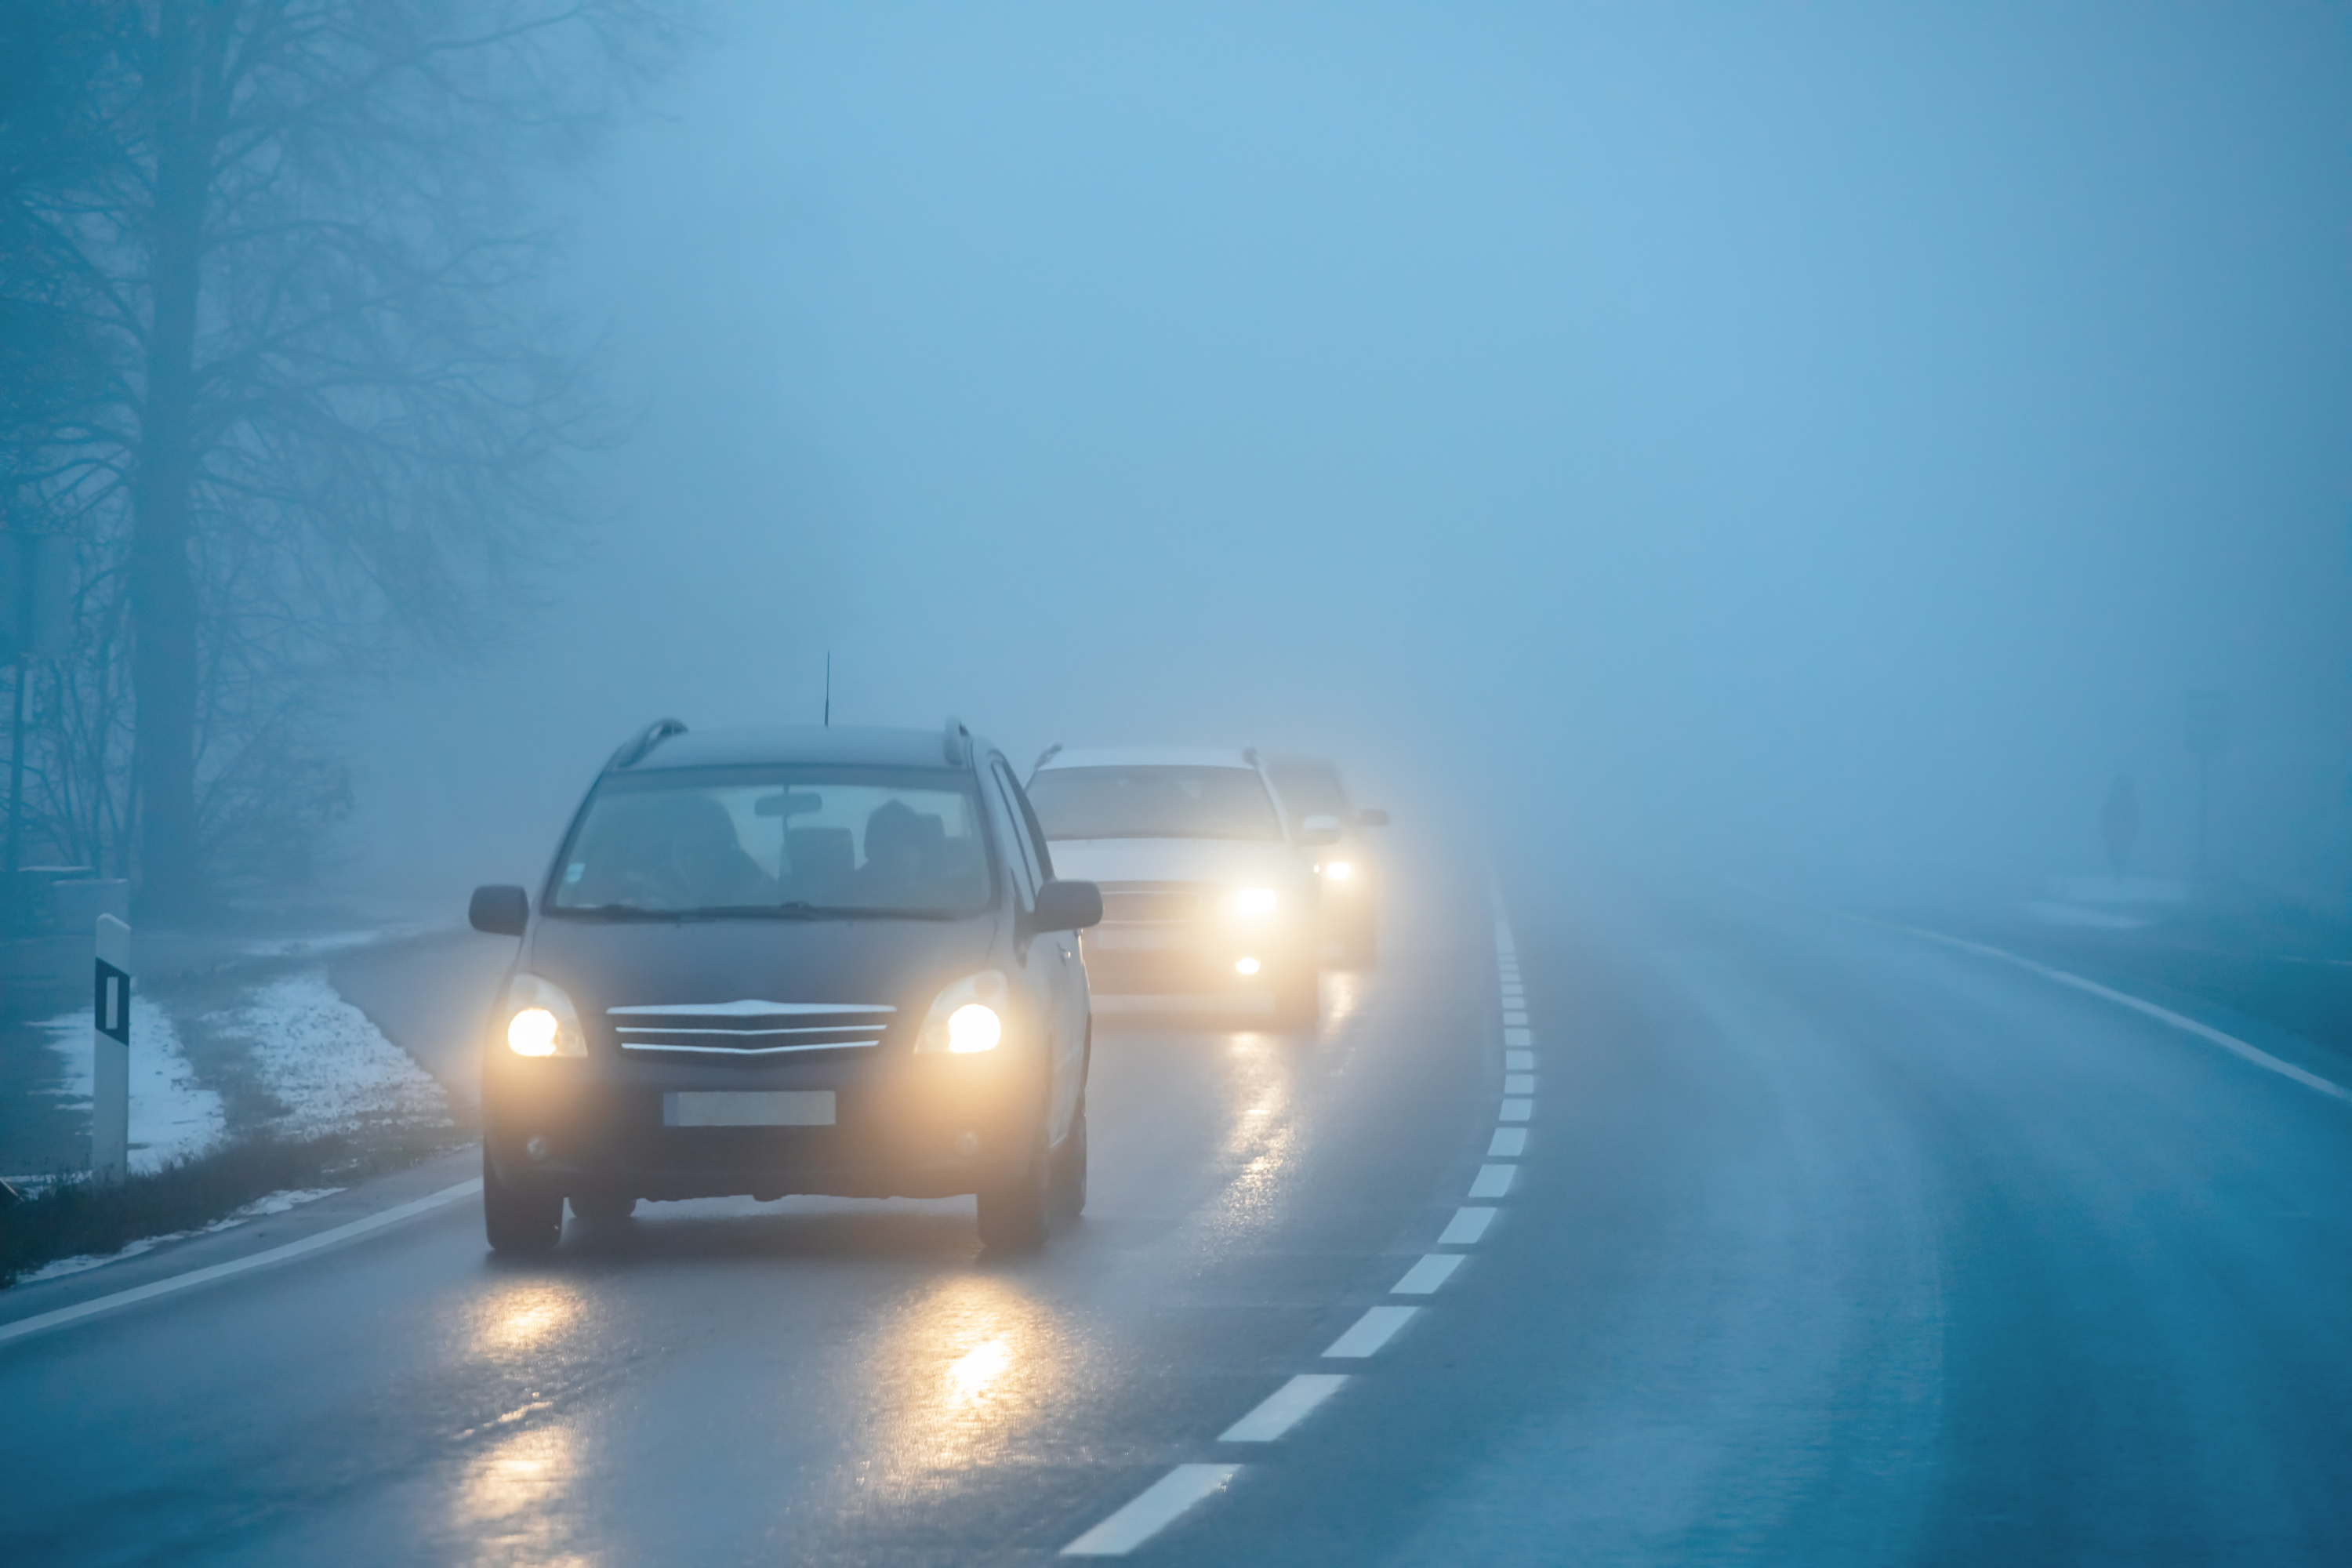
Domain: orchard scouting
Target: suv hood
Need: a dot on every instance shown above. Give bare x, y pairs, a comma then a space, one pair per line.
637, 963
1220, 861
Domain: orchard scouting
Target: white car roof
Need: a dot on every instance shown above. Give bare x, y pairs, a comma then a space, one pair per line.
1150, 756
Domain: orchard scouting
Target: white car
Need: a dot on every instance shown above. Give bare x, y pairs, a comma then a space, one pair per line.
1206, 885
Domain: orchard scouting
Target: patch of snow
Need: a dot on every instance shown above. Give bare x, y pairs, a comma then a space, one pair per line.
327, 943
172, 1117
331, 1068
275, 1203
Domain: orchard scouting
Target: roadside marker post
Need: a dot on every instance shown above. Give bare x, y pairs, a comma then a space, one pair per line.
110, 1044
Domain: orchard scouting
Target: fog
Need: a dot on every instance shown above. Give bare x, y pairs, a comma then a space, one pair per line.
1796, 441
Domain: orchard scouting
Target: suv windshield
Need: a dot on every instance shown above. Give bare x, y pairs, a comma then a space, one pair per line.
781, 841
1153, 803
1309, 788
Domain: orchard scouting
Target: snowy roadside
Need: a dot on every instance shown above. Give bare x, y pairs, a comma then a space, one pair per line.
250, 1093
327, 1068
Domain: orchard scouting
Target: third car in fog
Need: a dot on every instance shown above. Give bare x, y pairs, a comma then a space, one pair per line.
1350, 872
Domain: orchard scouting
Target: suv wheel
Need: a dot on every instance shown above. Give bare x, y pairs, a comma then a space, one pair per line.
517, 1220
1069, 1195
1013, 1207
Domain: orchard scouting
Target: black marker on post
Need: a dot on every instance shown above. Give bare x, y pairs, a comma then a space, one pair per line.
110, 1042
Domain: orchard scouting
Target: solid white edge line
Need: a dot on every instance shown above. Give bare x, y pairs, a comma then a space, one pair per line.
1425, 1275
1509, 1144
1493, 1181
2229, 1043
1466, 1226
24, 1327
1369, 1332
1283, 1408
1154, 1510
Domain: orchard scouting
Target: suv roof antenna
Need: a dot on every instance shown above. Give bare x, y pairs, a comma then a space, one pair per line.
828, 688
957, 751
1047, 755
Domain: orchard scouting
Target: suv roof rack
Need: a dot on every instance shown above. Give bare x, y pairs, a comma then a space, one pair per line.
634, 752
958, 742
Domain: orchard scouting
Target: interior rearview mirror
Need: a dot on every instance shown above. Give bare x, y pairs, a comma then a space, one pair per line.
1372, 816
1066, 906
1320, 829
798, 802
499, 910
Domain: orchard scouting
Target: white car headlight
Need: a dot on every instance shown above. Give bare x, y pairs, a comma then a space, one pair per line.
540, 1019
1336, 871
1250, 903
967, 1016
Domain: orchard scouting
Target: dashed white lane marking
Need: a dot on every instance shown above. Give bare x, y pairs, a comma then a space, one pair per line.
1515, 1020
1374, 1329
1509, 1144
1516, 1110
1519, 1061
23, 1327
1424, 1276
2229, 1043
1286, 1407
1159, 1506
1516, 1083
1466, 1226
1493, 1181
1517, 1037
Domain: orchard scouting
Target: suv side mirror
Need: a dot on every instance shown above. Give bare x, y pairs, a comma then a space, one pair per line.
1318, 830
1066, 906
499, 910
1372, 816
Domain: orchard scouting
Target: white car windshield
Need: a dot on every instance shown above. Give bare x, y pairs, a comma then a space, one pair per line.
784, 841
1157, 801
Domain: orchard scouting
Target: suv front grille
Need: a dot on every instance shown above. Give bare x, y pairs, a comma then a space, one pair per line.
749, 1028
1143, 904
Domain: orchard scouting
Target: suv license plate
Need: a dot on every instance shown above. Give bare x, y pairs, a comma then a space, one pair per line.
748, 1108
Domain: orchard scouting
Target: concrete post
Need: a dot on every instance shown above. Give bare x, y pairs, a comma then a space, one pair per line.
110, 1040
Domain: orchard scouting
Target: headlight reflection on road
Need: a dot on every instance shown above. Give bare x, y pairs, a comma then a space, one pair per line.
511, 1509
522, 1317
961, 1373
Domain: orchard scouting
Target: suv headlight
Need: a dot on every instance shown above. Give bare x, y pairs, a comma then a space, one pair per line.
967, 1016
541, 1020
1254, 903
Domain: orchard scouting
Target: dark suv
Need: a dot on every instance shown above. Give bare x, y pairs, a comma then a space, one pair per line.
791, 960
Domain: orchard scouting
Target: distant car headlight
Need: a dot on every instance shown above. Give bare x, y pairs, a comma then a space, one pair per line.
1336, 871
1252, 903
967, 1016
540, 1019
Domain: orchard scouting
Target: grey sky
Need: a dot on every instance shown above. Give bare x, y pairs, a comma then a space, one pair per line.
1837, 434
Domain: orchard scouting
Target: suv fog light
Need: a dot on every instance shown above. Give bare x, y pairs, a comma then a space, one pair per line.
967, 1144
536, 1149
1246, 966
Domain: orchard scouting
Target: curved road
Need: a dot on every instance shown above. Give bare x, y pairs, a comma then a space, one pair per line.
1825, 1243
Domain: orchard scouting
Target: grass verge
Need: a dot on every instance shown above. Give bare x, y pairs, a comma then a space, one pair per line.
73, 1216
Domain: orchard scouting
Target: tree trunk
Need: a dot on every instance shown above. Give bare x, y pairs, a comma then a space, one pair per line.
165, 614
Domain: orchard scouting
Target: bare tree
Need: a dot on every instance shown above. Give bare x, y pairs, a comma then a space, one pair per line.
335, 407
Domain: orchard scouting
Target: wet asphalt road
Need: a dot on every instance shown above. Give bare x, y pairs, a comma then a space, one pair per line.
1827, 1245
